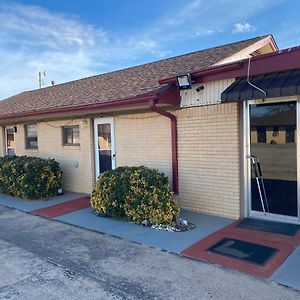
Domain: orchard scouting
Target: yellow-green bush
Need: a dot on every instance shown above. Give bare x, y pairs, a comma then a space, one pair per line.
29, 177
135, 194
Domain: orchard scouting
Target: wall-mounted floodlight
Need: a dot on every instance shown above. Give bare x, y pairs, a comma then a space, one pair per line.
184, 81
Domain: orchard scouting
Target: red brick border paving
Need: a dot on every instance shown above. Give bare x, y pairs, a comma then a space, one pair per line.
285, 245
63, 208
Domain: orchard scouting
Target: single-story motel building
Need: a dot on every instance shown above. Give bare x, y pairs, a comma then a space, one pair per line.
203, 118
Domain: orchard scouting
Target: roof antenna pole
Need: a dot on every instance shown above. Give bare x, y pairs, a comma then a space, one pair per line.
41, 75
248, 75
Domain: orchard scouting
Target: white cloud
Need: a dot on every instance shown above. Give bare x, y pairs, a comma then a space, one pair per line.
243, 27
206, 32
29, 23
288, 34
161, 53
33, 39
196, 19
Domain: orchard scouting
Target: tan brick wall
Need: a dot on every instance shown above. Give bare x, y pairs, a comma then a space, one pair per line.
208, 149
79, 178
144, 139
208, 142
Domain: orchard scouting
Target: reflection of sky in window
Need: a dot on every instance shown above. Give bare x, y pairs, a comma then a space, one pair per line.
265, 110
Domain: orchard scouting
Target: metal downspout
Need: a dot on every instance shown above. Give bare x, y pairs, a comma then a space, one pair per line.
153, 107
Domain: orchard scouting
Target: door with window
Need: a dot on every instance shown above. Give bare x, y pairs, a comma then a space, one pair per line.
272, 159
104, 145
10, 141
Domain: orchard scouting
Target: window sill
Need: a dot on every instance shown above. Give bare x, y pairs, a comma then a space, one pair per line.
32, 149
71, 147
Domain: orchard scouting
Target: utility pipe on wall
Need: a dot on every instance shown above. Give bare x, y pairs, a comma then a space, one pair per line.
153, 107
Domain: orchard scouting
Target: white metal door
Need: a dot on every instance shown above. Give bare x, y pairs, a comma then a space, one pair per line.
10, 142
105, 156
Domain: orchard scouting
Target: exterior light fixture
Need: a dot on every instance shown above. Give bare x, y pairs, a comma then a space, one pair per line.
199, 88
184, 81
15, 129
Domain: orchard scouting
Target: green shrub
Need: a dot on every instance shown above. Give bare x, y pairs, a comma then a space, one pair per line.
135, 194
29, 177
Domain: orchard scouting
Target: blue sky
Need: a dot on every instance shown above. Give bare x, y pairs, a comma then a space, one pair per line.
72, 39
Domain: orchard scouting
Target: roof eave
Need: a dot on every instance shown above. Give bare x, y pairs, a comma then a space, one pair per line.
284, 60
169, 96
260, 44
204, 72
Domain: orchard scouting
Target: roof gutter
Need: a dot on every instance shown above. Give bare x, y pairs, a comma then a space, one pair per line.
204, 72
169, 96
283, 60
174, 142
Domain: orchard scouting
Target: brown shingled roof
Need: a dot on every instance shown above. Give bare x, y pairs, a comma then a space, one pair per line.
117, 85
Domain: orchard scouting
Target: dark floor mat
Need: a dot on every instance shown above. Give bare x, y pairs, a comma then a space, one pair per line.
245, 251
273, 227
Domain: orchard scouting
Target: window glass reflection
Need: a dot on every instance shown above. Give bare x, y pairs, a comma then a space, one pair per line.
273, 142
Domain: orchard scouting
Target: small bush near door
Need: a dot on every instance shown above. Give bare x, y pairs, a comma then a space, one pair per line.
29, 177
135, 194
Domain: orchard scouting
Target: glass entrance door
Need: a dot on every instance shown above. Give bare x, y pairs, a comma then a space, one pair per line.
104, 145
273, 159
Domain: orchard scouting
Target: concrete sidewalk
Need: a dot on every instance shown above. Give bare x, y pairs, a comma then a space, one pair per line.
44, 259
174, 242
30, 205
288, 273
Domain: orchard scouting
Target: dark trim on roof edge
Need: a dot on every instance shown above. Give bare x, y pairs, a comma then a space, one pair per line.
284, 60
204, 72
169, 96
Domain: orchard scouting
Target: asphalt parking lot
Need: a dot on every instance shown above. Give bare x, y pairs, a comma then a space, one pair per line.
46, 259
